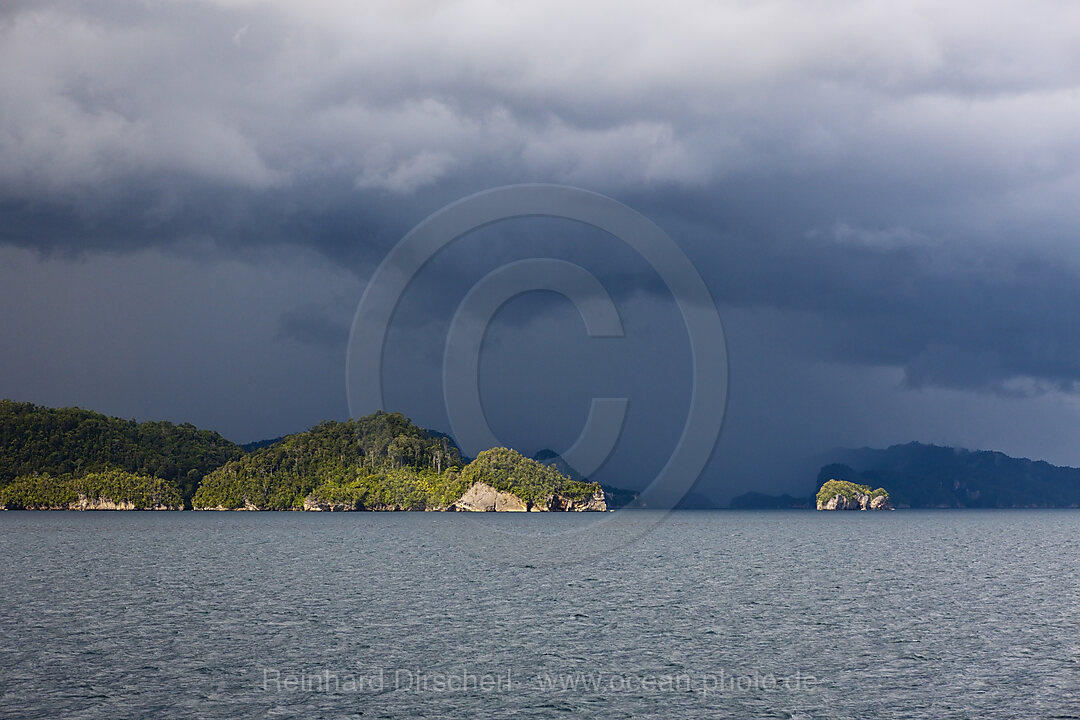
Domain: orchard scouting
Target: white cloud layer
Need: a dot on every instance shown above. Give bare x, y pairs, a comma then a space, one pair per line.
399, 95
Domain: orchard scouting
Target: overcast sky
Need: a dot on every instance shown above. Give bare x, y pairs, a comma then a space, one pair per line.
883, 198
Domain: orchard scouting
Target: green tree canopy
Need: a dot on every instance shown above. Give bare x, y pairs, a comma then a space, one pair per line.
45, 491
532, 481
72, 441
357, 457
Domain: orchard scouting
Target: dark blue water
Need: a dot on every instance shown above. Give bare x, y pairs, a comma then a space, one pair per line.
938, 614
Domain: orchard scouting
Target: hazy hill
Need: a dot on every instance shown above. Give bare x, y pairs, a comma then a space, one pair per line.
260, 444
763, 501
921, 475
934, 476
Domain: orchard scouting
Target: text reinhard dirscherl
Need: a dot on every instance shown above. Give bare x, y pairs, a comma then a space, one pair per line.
420, 681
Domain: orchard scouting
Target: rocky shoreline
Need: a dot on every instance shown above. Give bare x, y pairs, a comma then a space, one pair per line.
844, 495
93, 504
480, 497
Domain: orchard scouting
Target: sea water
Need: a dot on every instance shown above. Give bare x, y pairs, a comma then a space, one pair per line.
787, 614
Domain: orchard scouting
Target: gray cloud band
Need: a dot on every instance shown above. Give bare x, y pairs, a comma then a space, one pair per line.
709, 386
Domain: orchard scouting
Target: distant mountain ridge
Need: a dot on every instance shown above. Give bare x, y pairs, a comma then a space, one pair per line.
919, 475
250, 447
764, 501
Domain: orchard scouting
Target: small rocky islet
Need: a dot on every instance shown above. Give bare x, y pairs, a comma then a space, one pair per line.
846, 495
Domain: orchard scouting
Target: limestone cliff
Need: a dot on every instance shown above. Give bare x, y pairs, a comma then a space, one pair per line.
481, 497
597, 502
85, 503
94, 503
313, 505
844, 495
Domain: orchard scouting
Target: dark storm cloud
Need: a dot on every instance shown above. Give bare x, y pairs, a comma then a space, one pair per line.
954, 317
893, 185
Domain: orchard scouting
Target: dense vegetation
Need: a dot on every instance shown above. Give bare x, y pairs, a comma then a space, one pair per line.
45, 491
381, 460
530, 480
72, 441
401, 489
66, 457
920, 475
846, 489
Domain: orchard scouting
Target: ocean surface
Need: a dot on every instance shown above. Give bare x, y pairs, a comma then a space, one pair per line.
786, 614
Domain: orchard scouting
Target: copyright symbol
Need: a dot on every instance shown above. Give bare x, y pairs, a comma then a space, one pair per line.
709, 379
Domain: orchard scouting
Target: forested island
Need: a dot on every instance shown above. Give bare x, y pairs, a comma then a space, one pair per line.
73, 459
72, 442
